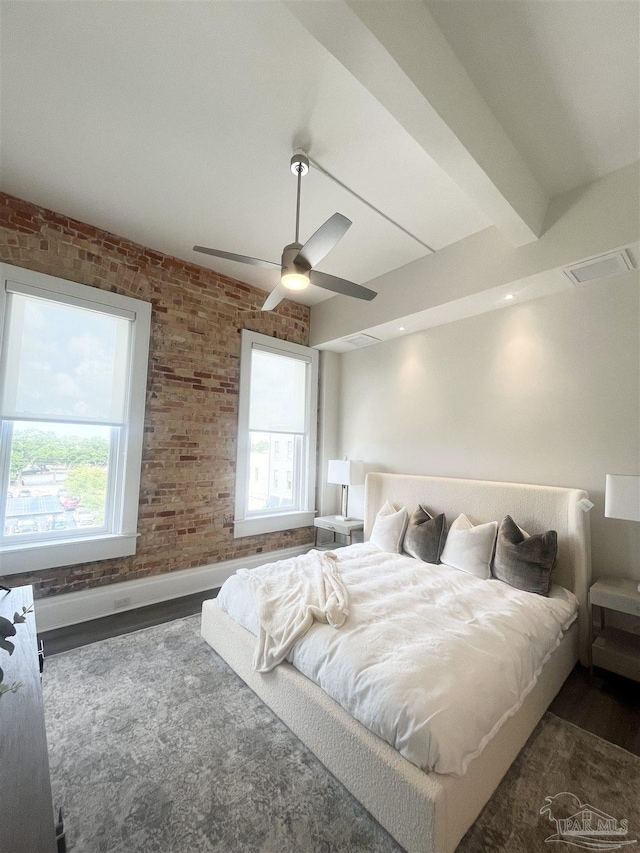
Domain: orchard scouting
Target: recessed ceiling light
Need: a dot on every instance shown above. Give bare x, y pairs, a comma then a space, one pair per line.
509, 296
401, 329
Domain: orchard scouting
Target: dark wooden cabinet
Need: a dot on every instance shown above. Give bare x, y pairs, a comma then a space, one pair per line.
26, 809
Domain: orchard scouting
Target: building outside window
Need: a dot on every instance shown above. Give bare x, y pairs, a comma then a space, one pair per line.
278, 403
73, 364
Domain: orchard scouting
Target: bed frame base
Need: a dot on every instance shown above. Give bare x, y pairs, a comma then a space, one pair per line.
424, 812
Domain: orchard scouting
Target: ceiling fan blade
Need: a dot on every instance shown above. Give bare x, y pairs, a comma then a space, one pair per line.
322, 242
244, 259
340, 285
276, 296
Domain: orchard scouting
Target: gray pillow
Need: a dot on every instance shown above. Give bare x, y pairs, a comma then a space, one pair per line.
525, 563
425, 536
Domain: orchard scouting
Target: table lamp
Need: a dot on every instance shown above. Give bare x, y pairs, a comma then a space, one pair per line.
345, 473
622, 497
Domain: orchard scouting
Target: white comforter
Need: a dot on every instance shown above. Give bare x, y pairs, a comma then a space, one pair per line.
431, 659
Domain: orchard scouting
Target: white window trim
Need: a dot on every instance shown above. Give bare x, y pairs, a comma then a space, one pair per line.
272, 522
121, 540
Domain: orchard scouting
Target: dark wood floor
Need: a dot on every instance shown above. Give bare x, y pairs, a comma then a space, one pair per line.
609, 707
63, 639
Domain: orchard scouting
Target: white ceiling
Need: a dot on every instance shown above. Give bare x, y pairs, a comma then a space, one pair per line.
172, 123
561, 76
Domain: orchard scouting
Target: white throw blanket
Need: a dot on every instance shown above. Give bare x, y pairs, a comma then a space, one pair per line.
288, 596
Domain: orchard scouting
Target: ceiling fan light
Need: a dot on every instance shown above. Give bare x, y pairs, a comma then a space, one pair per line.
295, 281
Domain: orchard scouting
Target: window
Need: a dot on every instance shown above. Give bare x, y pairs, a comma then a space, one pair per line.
278, 403
73, 364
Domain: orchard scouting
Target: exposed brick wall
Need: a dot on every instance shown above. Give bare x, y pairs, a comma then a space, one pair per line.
188, 463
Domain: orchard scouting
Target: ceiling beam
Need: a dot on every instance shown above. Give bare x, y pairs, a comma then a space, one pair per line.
476, 273
398, 53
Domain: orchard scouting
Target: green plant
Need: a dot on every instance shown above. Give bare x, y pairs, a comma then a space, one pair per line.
8, 629
33, 446
90, 484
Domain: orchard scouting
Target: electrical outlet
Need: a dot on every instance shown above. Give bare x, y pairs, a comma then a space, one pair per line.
119, 603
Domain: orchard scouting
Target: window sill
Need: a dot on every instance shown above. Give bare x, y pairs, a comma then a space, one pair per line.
272, 523
33, 556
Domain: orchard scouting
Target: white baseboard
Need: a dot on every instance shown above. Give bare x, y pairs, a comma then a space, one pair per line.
59, 611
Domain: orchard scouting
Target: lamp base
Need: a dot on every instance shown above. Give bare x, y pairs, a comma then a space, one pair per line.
344, 504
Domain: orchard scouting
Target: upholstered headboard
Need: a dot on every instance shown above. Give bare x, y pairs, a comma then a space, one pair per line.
534, 508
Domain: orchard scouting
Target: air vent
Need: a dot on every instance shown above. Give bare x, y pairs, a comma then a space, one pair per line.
603, 266
358, 341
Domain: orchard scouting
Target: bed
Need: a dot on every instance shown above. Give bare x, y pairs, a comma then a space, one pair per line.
426, 811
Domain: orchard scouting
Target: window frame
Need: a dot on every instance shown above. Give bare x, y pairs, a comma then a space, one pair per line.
253, 524
119, 539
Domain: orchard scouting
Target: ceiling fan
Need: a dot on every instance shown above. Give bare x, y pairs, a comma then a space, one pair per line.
298, 260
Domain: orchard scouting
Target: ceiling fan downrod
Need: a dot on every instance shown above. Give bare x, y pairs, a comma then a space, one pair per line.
299, 167
294, 272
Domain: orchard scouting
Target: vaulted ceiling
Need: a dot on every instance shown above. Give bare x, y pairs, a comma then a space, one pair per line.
172, 123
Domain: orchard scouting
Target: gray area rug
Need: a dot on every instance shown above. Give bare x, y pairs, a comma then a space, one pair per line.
558, 759
156, 745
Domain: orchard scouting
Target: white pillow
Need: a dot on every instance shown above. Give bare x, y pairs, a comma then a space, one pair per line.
470, 548
389, 527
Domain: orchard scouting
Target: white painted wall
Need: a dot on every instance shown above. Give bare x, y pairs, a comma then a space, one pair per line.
544, 392
328, 494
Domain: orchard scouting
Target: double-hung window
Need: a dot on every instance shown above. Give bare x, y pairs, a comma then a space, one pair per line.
277, 409
73, 366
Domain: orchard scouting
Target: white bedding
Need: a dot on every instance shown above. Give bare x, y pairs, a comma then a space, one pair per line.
430, 659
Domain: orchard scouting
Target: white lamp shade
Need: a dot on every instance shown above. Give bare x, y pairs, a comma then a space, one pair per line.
622, 497
345, 472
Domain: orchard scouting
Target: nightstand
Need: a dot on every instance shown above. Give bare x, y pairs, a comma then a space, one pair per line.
615, 649
344, 528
